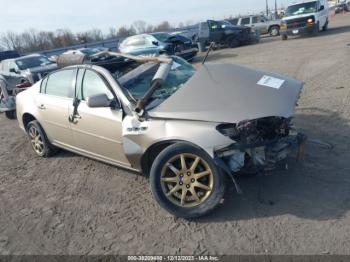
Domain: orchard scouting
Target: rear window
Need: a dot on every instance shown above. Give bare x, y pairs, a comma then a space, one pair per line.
135, 41
246, 21
234, 21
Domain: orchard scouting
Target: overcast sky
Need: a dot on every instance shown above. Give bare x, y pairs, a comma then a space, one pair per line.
79, 15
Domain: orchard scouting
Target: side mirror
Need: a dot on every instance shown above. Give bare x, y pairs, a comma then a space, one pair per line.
321, 7
13, 70
156, 43
100, 100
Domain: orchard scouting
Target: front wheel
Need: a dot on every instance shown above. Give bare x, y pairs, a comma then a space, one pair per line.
233, 42
186, 182
325, 27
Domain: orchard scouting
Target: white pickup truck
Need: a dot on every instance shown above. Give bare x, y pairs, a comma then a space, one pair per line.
305, 17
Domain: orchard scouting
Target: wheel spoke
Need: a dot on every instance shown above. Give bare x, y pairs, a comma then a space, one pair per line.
202, 174
194, 194
169, 179
31, 133
195, 164
172, 168
183, 162
173, 190
200, 185
183, 196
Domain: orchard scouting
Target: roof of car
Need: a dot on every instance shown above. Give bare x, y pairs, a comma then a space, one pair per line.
301, 2
21, 57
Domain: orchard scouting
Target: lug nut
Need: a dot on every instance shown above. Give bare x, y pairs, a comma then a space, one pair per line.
188, 173
181, 183
181, 175
188, 186
193, 180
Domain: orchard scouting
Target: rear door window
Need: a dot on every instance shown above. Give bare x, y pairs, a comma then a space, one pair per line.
246, 21
255, 20
60, 83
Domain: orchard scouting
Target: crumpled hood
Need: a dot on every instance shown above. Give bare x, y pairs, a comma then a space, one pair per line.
228, 93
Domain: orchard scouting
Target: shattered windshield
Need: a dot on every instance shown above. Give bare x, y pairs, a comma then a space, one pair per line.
138, 81
304, 8
30, 62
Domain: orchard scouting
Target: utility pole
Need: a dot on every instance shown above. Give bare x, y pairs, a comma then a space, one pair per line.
267, 8
276, 12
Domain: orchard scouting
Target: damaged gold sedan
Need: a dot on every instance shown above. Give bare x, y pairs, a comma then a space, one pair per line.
185, 128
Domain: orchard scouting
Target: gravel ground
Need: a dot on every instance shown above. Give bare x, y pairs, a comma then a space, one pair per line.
72, 205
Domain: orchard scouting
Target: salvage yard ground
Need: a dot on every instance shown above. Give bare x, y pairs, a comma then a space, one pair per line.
72, 205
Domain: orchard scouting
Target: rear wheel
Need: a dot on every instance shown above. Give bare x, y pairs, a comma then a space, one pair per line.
40, 143
274, 30
186, 182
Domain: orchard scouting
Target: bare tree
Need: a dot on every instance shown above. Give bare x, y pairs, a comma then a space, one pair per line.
140, 26
11, 41
112, 32
164, 26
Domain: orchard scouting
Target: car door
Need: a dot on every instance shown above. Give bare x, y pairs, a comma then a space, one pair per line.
56, 95
261, 24
97, 132
216, 31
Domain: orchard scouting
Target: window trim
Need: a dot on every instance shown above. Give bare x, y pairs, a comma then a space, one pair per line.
108, 85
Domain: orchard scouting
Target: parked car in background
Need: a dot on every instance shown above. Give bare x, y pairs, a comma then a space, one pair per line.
92, 56
8, 55
306, 17
224, 33
342, 6
260, 23
31, 68
190, 32
159, 43
9, 88
188, 129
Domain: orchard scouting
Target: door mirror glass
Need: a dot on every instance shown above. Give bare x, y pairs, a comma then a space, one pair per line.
321, 7
156, 43
100, 100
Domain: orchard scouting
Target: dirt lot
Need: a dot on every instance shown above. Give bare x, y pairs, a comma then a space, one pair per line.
72, 205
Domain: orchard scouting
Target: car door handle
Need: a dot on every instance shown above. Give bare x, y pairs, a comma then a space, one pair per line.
42, 107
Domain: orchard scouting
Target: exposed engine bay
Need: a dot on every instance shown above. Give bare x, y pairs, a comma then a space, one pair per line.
260, 144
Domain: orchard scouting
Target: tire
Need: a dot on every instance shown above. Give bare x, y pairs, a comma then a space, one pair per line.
186, 179
325, 27
39, 139
317, 29
284, 37
274, 30
233, 42
11, 114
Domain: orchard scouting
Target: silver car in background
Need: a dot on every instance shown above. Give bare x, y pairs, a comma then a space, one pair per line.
187, 129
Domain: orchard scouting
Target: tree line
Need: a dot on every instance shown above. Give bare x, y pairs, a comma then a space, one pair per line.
33, 40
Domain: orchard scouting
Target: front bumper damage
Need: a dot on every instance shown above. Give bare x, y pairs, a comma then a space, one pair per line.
240, 158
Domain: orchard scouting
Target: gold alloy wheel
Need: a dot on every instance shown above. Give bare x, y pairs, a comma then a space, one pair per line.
187, 180
36, 140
